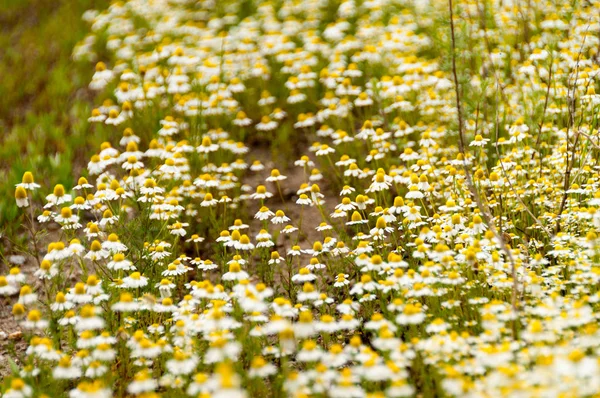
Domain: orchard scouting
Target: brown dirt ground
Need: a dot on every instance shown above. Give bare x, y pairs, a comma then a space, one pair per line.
311, 217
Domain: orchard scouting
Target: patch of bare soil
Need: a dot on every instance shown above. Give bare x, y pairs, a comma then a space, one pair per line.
286, 201
311, 217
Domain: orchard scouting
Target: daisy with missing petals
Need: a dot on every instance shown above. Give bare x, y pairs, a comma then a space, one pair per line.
275, 258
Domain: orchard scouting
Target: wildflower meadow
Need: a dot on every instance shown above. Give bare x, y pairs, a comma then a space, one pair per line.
309, 198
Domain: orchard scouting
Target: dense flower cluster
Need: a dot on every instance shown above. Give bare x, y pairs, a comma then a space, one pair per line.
408, 249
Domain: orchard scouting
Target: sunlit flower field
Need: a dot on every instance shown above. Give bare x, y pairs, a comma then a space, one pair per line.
320, 198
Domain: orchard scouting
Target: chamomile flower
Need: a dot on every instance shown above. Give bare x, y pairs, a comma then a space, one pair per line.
261, 193
235, 273
57, 197
135, 280
28, 182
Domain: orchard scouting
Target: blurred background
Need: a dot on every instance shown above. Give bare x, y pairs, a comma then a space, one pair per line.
44, 99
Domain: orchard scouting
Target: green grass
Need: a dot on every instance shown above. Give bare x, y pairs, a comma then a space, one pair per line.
44, 100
